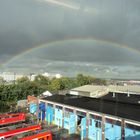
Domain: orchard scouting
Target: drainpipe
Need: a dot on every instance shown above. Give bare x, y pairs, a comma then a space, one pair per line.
123, 129
87, 124
103, 127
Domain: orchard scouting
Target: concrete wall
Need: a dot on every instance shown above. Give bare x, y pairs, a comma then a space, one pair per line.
74, 92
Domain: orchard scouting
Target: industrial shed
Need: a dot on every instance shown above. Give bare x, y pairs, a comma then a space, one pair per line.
90, 91
94, 118
99, 91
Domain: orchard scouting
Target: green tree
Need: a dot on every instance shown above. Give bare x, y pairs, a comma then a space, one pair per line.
67, 83
83, 80
1, 80
22, 80
98, 81
42, 80
55, 85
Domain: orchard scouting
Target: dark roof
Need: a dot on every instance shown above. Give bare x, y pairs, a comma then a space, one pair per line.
120, 109
123, 98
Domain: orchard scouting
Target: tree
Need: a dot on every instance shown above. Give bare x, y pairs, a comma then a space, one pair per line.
22, 80
11, 93
98, 81
42, 80
67, 83
55, 85
1, 80
83, 80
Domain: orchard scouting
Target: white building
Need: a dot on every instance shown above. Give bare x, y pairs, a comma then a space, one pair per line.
8, 76
11, 76
50, 75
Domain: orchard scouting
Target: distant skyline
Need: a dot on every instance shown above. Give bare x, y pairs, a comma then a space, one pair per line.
97, 37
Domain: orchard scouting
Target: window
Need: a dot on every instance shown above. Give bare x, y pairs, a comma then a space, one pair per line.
98, 124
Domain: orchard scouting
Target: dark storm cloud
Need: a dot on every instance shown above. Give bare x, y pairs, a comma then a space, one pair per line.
25, 24
87, 51
28, 23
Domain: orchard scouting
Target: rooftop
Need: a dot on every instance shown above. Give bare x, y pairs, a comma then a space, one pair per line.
131, 89
103, 105
127, 89
122, 98
89, 88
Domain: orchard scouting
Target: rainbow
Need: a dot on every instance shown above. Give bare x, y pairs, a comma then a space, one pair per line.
59, 42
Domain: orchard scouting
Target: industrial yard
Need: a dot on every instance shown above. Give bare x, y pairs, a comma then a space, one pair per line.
112, 116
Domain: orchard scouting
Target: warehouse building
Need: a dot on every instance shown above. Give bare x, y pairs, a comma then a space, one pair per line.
106, 118
99, 91
90, 91
133, 89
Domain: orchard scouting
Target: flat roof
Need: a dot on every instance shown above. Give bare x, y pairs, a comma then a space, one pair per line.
110, 107
102, 90
127, 88
89, 88
122, 98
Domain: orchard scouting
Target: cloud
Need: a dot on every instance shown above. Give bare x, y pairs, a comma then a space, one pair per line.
29, 23
61, 3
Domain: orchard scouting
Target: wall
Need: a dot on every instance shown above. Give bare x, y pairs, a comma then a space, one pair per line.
73, 92
94, 132
33, 108
49, 114
42, 110
58, 116
70, 121
112, 131
93, 123
132, 134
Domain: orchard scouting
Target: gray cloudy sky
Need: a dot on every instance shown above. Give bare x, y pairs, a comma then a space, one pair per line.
25, 24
